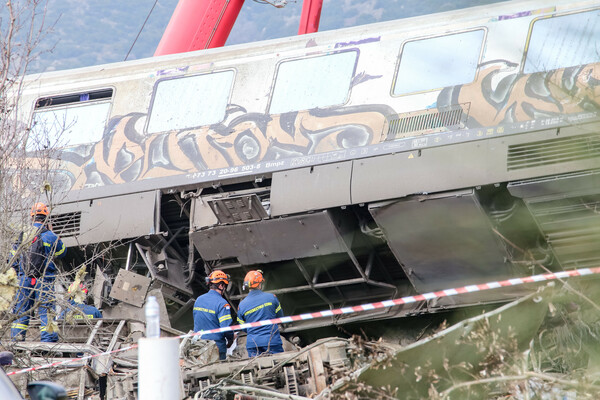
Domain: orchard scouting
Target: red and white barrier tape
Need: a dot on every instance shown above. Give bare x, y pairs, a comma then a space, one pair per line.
355, 309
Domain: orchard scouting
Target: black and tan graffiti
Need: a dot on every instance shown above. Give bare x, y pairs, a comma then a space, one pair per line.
125, 154
517, 97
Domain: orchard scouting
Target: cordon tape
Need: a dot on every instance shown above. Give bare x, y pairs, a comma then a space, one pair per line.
353, 309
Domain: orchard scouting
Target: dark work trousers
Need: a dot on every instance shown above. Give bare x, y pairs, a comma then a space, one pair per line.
33, 292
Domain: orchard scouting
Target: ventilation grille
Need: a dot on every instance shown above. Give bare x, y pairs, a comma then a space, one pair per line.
555, 151
429, 121
66, 225
571, 226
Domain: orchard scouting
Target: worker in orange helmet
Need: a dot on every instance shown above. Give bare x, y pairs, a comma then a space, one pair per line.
259, 306
37, 272
212, 311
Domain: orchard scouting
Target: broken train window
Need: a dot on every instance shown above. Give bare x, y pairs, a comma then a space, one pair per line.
69, 120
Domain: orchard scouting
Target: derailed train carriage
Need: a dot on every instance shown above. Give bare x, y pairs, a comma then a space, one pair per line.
351, 166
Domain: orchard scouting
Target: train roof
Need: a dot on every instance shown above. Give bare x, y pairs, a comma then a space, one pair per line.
438, 23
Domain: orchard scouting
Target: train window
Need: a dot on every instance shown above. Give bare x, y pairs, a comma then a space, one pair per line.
70, 120
190, 101
563, 41
313, 82
77, 98
438, 62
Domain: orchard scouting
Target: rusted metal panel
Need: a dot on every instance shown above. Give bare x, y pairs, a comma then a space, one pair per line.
130, 288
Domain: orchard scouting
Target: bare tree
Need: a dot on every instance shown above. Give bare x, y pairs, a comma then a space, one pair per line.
23, 178
26, 160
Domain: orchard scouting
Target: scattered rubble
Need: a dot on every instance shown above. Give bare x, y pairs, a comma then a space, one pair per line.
464, 358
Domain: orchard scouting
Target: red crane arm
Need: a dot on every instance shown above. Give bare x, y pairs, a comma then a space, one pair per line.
199, 24
311, 15
205, 24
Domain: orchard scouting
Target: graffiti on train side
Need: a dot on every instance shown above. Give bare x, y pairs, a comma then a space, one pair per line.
497, 97
125, 154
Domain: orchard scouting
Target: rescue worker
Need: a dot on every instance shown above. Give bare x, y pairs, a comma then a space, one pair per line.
36, 282
211, 311
259, 306
84, 310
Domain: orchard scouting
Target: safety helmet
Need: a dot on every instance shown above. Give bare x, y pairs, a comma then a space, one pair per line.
39, 209
73, 287
253, 279
218, 276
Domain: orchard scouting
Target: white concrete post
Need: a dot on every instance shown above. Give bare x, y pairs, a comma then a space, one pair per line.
159, 376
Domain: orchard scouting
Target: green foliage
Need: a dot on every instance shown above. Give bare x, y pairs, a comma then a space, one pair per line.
495, 357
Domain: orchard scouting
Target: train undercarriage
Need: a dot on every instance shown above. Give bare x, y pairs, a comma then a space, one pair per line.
318, 255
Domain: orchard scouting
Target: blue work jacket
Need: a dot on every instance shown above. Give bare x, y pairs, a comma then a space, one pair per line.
53, 248
211, 311
259, 306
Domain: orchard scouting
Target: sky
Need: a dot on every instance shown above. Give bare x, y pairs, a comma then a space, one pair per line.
92, 32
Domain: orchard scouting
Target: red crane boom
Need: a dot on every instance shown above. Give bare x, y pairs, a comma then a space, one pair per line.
206, 24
